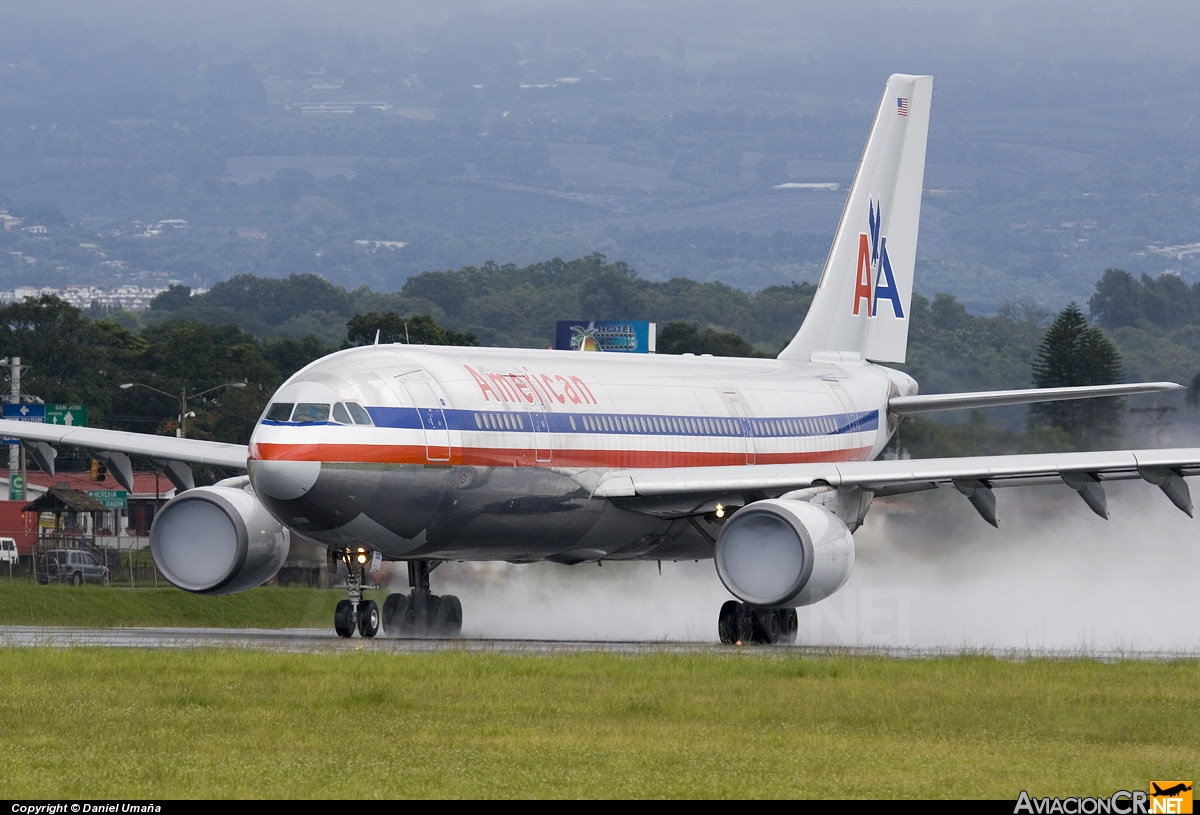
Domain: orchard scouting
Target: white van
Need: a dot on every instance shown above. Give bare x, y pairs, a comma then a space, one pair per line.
8, 551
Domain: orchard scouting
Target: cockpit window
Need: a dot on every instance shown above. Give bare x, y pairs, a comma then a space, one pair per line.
310, 412
280, 411
340, 414
360, 415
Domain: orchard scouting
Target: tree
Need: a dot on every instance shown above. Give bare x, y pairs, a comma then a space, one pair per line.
420, 329
1117, 300
685, 338
1073, 354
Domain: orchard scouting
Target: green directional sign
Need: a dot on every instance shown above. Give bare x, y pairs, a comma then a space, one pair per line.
70, 415
112, 499
16, 487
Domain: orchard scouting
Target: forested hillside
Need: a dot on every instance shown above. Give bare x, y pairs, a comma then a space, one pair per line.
260, 330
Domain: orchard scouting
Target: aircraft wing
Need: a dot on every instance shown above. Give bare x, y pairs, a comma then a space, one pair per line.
681, 491
161, 448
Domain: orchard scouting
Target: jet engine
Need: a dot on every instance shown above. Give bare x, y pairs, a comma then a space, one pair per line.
783, 552
217, 540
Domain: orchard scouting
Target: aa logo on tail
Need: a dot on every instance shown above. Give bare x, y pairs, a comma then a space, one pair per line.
875, 280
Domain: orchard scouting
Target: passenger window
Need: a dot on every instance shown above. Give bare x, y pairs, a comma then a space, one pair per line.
280, 411
340, 414
358, 413
307, 412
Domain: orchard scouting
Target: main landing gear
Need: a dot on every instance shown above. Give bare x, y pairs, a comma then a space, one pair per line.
422, 613
355, 612
744, 624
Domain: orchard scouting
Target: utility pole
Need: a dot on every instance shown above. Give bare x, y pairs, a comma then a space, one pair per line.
14, 398
16, 452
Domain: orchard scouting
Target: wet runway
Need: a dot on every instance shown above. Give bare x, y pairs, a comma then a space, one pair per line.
308, 640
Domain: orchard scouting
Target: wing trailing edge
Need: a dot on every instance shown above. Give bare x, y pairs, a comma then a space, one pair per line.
908, 405
160, 448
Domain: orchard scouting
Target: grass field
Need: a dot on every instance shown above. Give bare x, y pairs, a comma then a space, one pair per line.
110, 607
93, 722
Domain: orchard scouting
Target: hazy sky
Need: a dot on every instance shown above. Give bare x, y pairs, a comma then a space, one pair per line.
1023, 28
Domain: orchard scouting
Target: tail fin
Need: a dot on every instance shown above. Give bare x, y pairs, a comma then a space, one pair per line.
862, 302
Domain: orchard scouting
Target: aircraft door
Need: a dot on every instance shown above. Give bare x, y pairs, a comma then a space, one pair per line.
738, 410
538, 420
843, 396
433, 418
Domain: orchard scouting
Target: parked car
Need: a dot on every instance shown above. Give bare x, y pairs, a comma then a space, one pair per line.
8, 551
72, 566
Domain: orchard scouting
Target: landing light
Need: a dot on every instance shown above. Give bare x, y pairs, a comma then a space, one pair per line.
720, 513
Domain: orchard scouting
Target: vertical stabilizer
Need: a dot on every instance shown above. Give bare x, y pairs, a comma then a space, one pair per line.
862, 302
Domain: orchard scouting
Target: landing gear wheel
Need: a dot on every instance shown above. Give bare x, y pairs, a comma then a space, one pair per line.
394, 609
446, 619
343, 619
727, 622
368, 618
789, 626
766, 626
77, 579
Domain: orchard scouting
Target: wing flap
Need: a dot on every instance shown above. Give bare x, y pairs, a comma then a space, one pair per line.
908, 405
161, 448
895, 475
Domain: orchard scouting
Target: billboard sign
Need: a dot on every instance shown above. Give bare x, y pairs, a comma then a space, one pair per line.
23, 413
69, 415
112, 499
624, 336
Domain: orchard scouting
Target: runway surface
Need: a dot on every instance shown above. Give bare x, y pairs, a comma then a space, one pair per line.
308, 640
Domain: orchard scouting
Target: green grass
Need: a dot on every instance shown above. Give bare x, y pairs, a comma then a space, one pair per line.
92, 722
23, 603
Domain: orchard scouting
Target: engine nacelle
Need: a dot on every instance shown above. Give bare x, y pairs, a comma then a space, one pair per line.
782, 552
217, 540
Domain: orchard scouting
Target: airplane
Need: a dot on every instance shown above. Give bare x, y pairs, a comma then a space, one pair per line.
422, 454
1170, 792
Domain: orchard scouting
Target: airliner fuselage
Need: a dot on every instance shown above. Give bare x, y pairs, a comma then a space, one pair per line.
481, 453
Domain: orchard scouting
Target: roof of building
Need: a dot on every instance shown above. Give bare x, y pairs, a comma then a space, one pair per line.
59, 500
143, 483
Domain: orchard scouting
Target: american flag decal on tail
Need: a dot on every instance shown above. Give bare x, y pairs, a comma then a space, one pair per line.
901, 106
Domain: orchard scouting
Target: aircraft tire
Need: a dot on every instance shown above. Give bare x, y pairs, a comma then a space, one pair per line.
368, 618
766, 626
343, 619
727, 622
789, 626
449, 616
394, 610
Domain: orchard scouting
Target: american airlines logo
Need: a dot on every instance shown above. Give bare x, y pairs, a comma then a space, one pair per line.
531, 388
875, 281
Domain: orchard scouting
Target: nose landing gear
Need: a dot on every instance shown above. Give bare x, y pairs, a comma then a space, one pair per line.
742, 623
355, 612
422, 613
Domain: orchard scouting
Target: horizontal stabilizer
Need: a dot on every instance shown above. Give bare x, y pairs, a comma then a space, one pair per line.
907, 405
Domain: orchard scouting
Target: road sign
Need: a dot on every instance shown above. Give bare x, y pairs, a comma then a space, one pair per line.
16, 487
23, 413
112, 499
69, 415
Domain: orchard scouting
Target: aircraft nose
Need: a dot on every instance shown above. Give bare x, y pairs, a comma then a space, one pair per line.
284, 480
